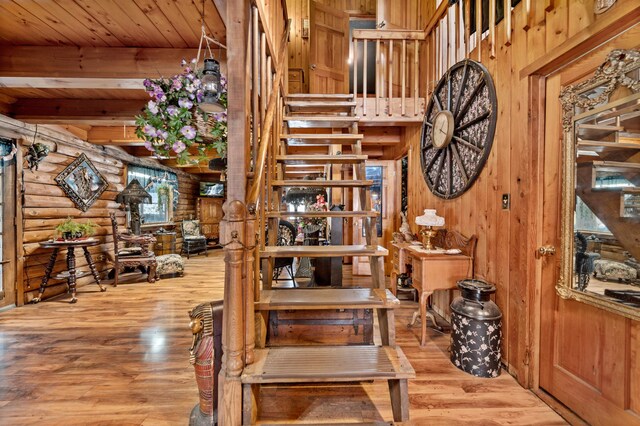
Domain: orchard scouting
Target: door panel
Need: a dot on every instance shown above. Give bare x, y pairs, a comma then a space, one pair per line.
589, 358
329, 50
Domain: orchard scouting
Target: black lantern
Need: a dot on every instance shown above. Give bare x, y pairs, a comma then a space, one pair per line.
134, 195
211, 85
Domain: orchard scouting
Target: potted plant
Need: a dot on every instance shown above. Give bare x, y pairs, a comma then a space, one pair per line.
70, 229
172, 122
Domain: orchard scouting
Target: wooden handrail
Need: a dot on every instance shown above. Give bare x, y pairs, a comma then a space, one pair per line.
389, 35
260, 160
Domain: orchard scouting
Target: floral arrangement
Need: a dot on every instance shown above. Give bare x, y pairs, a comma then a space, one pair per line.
168, 121
312, 224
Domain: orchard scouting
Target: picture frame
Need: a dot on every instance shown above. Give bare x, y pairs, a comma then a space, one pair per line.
82, 182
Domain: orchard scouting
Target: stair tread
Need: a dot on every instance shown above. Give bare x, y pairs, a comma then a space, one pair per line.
320, 103
615, 166
326, 298
320, 121
321, 138
322, 183
350, 213
301, 364
323, 251
320, 158
320, 96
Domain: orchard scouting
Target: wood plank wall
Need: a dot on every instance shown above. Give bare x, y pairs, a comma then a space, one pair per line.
502, 255
44, 204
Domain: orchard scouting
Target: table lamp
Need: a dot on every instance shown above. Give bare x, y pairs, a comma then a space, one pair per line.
132, 196
428, 220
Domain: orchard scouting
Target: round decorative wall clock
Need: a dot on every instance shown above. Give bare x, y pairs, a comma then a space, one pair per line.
458, 129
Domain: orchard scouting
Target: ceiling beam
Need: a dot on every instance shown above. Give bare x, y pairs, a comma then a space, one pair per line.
114, 135
77, 111
112, 63
221, 5
72, 83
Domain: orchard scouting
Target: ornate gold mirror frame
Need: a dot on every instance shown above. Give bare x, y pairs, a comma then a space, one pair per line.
579, 101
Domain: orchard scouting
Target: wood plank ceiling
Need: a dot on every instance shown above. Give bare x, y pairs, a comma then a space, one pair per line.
79, 64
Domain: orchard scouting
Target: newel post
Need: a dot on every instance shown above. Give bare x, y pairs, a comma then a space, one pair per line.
233, 335
233, 226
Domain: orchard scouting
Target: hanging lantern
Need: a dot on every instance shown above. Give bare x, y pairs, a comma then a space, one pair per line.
211, 85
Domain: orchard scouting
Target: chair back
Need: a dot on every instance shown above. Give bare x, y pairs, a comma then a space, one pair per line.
191, 228
114, 227
286, 233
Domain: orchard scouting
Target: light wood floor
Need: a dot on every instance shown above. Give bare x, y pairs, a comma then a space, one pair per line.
121, 358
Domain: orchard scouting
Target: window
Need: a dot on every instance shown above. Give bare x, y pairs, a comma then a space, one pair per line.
163, 188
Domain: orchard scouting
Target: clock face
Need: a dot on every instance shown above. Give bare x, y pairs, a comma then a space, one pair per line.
442, 129
458, 129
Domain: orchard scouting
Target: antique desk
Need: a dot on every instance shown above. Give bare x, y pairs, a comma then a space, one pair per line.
435, 271
70, 274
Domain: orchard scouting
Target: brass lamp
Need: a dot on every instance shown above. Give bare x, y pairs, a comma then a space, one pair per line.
427, 221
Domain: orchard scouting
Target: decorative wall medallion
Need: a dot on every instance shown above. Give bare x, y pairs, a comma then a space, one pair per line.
458, 129
601, 6
82, 182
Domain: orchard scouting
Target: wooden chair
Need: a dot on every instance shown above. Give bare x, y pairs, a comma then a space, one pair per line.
455, 240
286, 237
133, 251
192, 239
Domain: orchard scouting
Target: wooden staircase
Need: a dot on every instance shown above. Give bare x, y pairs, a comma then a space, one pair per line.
307, 364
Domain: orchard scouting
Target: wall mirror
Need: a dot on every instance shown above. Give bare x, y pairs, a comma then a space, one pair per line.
601, 187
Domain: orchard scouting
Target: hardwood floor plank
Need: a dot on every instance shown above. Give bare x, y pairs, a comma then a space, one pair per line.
121, 358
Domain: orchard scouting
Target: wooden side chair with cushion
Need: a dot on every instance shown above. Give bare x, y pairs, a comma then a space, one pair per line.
133, 251
192, 239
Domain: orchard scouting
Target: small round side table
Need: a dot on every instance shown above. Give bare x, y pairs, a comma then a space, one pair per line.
70, 274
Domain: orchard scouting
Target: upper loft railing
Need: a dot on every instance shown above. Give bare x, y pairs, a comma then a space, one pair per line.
398, 94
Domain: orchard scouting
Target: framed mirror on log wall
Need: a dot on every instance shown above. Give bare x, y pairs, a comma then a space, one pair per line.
601, 187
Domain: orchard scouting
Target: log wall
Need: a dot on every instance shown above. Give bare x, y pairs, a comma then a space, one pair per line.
45, 205
505, 237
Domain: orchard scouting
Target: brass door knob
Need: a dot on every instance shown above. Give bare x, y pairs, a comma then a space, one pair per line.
547, 251
313, 66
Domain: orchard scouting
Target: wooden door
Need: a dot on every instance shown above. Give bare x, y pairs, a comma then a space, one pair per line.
7, 229
387, 201
329, 50
210, 214
589, 358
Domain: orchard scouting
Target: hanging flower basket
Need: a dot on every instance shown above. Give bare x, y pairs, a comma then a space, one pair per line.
172, 122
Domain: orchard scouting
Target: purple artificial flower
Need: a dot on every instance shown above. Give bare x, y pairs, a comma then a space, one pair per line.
190, 75
162, 134
146, 82
149, 130
147, 144
177, 84
191, 88
185, 103
172, 110
159, 95
191, 96
197, 83
153, 107
183, 62
188, 132
193, 61
179, 146
199, 96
